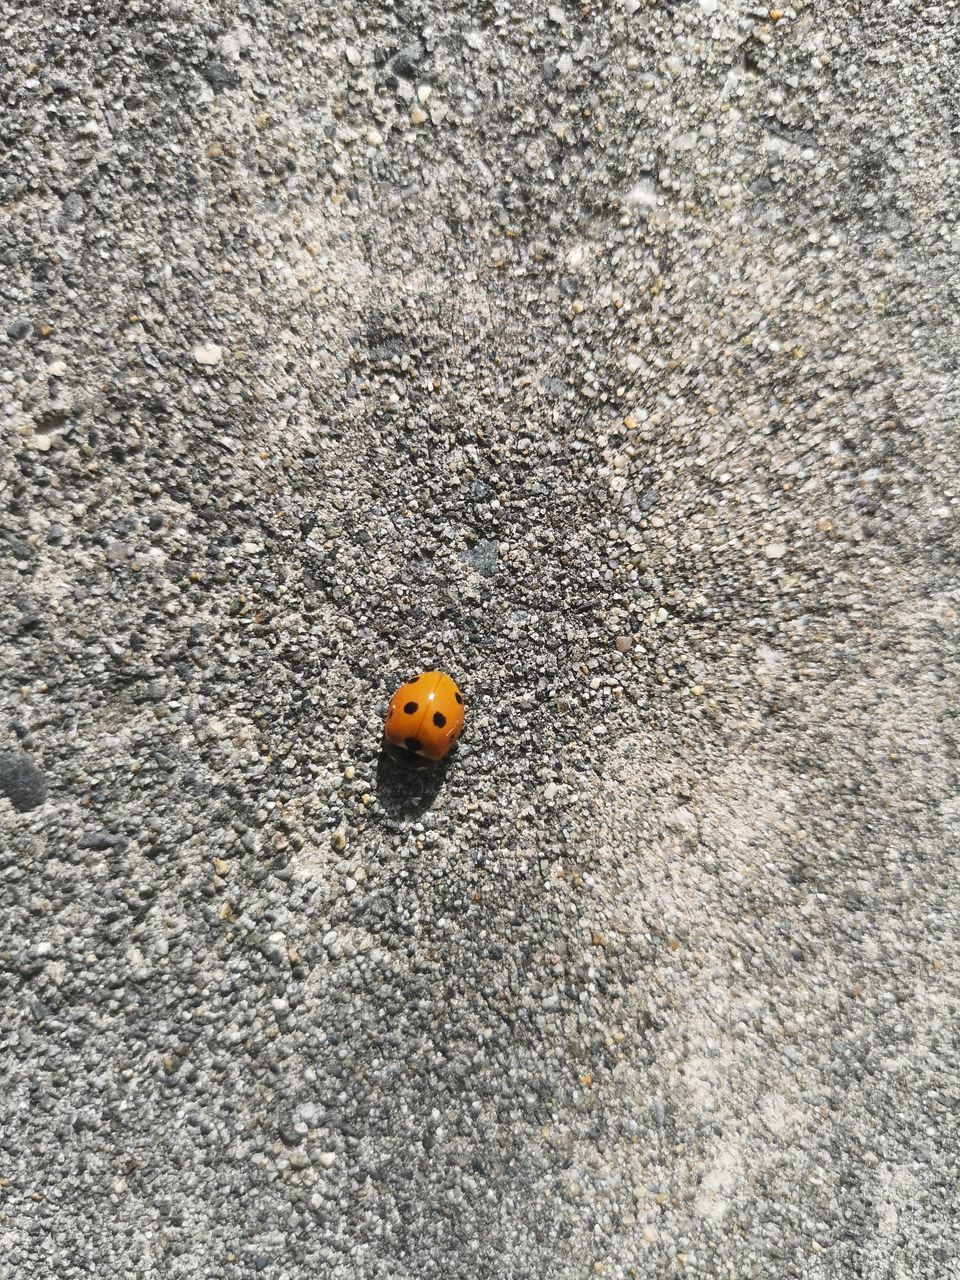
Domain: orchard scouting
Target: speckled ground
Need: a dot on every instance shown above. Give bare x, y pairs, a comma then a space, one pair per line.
605, 356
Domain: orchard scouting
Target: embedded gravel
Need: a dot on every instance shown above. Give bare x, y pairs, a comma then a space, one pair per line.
605, 356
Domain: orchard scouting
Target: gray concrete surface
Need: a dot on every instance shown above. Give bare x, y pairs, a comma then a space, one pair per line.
606, 356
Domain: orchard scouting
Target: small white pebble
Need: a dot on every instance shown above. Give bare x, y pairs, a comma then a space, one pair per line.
208, 354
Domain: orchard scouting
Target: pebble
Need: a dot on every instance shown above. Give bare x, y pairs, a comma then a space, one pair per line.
484, 557
407, 61
22, 782
220, 77
208, 354
100, 840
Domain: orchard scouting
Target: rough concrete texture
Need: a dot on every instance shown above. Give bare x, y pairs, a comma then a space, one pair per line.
604, 355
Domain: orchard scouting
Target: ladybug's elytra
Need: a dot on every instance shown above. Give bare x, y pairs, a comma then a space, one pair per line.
425, 716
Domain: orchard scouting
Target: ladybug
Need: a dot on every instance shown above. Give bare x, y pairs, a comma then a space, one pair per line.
425, 717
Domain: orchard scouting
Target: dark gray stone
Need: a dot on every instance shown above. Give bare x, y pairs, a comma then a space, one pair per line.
21, 781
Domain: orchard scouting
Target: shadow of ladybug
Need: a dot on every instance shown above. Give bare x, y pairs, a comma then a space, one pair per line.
406, 783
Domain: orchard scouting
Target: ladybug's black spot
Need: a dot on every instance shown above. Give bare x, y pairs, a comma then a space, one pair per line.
410, 708
412, 744
458, 698
439, 719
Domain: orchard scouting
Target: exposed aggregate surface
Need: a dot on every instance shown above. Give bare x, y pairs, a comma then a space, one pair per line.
605, 357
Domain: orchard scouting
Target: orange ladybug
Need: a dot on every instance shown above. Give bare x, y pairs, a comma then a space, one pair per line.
425, 716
